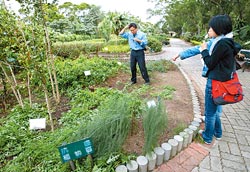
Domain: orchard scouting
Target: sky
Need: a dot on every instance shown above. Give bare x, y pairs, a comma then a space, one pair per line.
138, 8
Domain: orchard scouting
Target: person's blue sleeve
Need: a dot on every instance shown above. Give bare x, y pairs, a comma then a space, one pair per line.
124, 35
194, 50
190, 52
144, 41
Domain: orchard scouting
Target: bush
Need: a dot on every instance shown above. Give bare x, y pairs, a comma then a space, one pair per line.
71, 72
154, 44
198, 38
187, 36
163, 38
116, 49
117, 41
75, 48
70, 37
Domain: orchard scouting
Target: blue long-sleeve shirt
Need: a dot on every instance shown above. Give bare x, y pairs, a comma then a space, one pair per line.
134, 45
195, 51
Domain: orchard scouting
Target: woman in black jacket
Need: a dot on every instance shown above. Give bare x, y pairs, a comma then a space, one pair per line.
221, 65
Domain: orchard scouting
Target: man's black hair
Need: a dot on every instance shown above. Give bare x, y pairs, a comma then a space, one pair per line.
132, 25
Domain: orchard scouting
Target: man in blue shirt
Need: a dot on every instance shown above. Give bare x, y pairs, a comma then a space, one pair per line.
137, 41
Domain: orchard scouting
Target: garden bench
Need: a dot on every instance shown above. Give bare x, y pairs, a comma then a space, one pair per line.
246, 63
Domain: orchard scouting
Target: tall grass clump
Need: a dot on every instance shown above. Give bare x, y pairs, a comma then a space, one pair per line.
155, 122
109, 129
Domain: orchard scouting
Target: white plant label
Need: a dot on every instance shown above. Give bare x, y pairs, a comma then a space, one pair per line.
36, 124
87, 73
151, 103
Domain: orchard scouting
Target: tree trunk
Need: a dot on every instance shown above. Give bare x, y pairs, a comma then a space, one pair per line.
4, 95
51, 77
48, 105
28, 73
29, 91
51, 59
13, 85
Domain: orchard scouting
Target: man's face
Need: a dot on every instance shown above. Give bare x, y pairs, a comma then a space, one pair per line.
133, 30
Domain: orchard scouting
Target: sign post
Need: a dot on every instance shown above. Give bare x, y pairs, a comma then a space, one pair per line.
76, 150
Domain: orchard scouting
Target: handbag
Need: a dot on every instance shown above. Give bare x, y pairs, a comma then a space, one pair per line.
227, 92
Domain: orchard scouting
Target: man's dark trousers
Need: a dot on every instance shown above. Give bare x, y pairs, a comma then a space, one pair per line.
138, 56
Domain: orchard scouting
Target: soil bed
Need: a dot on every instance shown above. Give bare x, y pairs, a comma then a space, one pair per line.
179, 109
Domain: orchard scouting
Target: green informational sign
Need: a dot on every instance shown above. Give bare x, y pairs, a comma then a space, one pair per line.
76, 150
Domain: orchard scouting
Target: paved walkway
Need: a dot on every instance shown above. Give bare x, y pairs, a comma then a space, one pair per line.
232, 153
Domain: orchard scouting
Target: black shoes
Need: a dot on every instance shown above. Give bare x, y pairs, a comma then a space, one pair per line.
132, 83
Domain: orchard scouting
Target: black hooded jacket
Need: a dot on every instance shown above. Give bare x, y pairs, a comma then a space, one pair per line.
221, 63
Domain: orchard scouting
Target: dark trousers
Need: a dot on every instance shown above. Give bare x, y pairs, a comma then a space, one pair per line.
138, 56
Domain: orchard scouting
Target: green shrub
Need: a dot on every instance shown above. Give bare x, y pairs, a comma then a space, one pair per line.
198, 38
116, 49
117, 41
154, 44
69, 49
75, 48
58, 37
187, 36
71, 72
163, 38
244, 44
242, 36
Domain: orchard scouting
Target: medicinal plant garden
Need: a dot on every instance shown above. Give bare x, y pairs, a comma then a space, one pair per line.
45, 52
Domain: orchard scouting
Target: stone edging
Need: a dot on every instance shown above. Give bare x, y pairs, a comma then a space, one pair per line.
195, 100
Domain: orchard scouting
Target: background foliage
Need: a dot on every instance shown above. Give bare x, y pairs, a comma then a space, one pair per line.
198, 13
